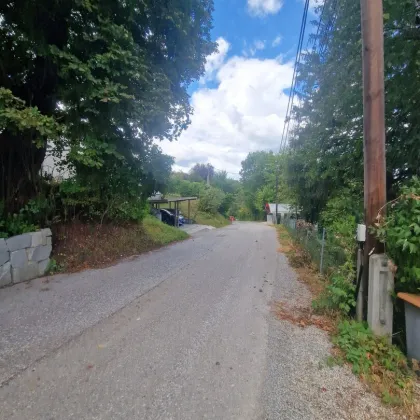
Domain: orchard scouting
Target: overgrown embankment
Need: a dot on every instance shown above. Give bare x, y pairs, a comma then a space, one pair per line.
204, 218
79, 246
382, 366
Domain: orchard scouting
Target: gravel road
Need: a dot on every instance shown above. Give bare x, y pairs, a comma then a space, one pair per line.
180, 333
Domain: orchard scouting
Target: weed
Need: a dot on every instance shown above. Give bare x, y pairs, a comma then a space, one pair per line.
53, 267
381, 364
338, 295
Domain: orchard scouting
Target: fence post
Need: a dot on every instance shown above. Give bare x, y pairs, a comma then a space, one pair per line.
322, 251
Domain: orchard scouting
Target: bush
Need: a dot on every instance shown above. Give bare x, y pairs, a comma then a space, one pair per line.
211, 199
18, 223
380, 363
400, 231
339, 295
100, 202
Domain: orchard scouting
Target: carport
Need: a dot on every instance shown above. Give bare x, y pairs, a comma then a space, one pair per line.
158, 201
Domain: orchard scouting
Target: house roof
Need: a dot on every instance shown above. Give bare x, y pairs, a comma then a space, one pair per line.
281, 208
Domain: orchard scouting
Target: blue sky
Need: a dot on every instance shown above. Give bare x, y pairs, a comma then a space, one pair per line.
240, 102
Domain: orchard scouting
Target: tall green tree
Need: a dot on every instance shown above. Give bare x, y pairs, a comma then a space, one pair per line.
326, 147
107, 77
258, 178
200, 172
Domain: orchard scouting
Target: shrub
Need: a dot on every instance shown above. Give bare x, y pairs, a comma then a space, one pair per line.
18, 223
339, 295
211, 199
400, 231
372, 357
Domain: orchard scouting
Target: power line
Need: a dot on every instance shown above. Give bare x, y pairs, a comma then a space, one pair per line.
291, 94
297, 58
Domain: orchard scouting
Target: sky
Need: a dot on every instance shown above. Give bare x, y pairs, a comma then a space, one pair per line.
240, 102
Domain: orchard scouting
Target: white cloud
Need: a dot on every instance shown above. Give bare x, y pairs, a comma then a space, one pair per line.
215, 60
258, 45
276, 41
264, 7
244, 113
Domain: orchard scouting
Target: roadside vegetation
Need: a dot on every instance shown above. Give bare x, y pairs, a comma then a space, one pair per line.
81, 246
324, 178
381, 365
87, 89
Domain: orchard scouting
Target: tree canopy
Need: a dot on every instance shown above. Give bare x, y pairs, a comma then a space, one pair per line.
326, 146
97, 83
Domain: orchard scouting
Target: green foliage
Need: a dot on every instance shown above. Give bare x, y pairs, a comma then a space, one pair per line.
103, 80
109, 198
54, 267
18, 223
211, 199
227, 185
326, 147
161, 233
376, 360
19, 119
363, 349
15, 224
258, 178
400, 231
339, 294
221, 196
211, 219
201, 171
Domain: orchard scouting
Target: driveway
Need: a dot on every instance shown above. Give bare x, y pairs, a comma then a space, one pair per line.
184, 332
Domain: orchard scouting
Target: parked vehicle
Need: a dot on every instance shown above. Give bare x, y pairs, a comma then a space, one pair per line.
167, 217
181, 219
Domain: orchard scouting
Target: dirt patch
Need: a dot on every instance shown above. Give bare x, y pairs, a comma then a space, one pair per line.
300, 260
302, 316
80, 246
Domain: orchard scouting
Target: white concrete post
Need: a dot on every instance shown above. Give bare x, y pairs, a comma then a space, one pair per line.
381, 285
359, 303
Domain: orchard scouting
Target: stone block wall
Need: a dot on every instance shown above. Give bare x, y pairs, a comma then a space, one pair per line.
24, 257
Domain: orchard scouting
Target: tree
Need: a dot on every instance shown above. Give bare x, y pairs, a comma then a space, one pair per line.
258, 178
211, 199
201, 171
107, 78
226, 184
326, 148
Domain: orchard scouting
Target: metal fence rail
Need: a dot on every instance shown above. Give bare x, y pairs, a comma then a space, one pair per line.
324, 250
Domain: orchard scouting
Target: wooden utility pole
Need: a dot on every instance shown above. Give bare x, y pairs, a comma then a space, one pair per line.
373, 124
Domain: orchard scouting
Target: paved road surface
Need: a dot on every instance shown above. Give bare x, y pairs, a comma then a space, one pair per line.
181, 333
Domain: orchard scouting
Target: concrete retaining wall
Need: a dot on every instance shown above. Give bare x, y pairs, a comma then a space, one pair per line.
24, 257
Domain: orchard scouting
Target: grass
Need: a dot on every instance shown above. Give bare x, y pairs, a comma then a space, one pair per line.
382, 366
160, 233
216, 220
202, 218
80, 246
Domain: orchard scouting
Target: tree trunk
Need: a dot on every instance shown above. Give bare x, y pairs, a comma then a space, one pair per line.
20, 164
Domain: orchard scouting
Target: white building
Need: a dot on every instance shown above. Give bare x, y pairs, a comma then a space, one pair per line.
283, 211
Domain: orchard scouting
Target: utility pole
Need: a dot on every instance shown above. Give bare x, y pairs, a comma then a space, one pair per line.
373, 125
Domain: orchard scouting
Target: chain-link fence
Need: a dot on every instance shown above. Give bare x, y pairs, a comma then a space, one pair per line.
324, 250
